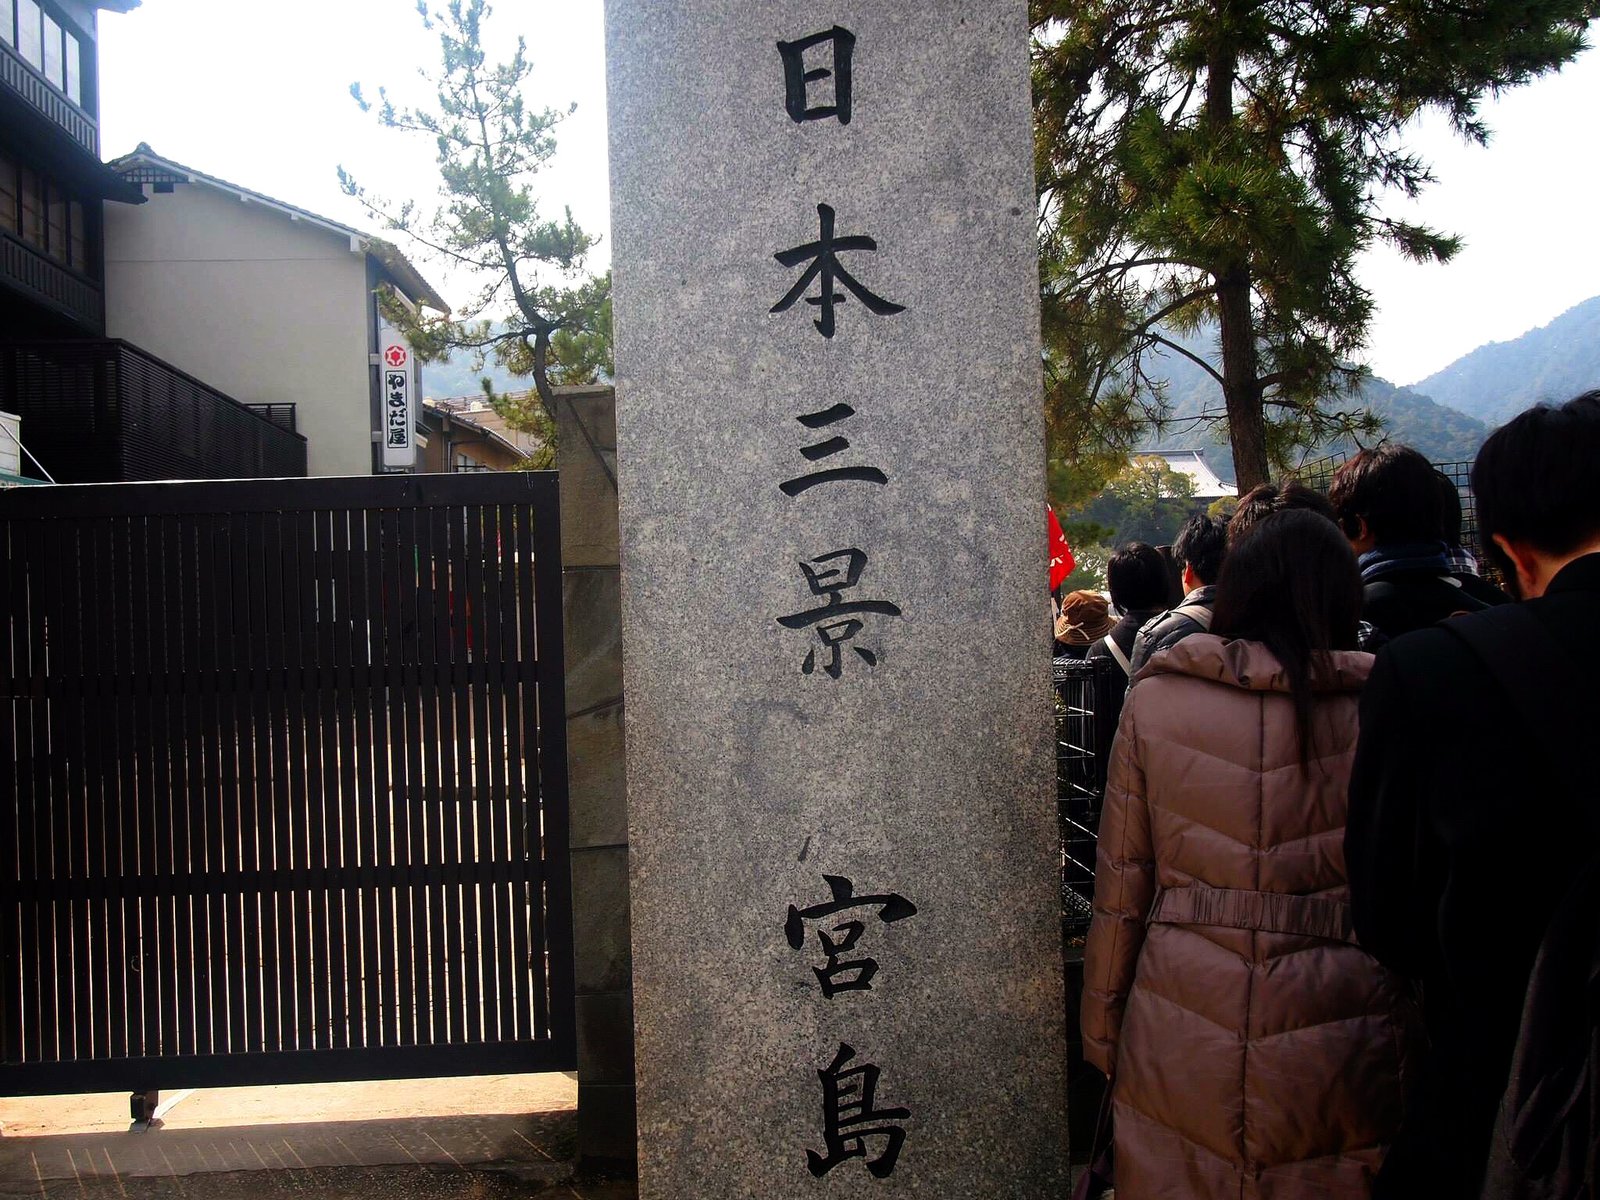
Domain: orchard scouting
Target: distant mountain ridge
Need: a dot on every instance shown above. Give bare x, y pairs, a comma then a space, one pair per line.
455, 376
1446, 416
1441, 433
1554, 362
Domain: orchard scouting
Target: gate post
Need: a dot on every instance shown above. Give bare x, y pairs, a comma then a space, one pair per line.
586, 458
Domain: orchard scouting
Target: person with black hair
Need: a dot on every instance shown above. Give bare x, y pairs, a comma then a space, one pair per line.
1472, 806
1138, 581
1199, 547
1463, 567
1254, 1048
1386, 500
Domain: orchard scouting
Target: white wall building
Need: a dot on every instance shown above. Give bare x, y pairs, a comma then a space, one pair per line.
267, 302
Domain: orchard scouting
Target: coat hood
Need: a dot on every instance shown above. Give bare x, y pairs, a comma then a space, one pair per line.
1251, 666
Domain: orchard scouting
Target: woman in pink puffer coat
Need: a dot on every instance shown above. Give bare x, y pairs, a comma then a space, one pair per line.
1256, 1051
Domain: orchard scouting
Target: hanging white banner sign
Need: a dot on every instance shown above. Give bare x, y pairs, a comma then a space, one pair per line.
397, 398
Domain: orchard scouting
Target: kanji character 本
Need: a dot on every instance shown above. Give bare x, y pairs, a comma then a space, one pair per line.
848, 1118
832, 581
826, 449
839, 975
797, 79
825, 267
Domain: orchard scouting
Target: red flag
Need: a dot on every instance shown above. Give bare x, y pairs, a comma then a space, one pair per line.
1061, 560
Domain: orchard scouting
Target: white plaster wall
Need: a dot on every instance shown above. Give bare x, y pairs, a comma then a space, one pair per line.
261, 307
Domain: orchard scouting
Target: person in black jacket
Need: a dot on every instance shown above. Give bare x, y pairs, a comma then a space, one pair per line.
1137, 578
1199, 547
1139, 583
1462, 837
1386, 500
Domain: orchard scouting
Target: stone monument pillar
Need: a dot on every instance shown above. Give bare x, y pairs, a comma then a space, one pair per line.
846, 926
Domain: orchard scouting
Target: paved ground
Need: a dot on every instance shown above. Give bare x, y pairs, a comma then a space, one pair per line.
482, 1138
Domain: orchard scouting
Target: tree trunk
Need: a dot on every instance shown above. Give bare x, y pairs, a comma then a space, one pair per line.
1241, 390
1241, 387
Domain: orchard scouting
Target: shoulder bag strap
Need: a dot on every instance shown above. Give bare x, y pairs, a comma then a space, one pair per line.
1116, 653
1198, 613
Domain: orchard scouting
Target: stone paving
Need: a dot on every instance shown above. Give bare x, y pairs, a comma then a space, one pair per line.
426, 1139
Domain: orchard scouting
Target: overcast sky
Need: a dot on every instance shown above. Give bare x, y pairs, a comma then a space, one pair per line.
259, 95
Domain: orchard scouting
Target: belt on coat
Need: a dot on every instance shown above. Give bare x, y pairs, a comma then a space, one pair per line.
1268, 912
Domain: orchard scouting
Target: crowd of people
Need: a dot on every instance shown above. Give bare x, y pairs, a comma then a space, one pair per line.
1346, 932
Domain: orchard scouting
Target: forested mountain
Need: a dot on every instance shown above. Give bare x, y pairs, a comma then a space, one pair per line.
1497, 381
1446, 416
456, 377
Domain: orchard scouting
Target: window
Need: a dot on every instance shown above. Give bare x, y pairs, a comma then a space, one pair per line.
56, 225
8, 195
32, 208
30, 32
74, 68
55, 70
78, 250
42, 213
45, 43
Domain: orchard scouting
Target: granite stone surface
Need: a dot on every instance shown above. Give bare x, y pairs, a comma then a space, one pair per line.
921, 774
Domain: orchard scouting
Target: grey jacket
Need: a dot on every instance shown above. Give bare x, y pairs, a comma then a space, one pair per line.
1171, 627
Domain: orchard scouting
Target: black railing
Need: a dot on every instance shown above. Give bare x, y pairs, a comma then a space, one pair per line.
103, 411
1082, 690
23, 79
1319, 474
281, 415
48, 282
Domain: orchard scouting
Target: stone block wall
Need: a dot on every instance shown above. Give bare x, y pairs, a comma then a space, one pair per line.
591, 594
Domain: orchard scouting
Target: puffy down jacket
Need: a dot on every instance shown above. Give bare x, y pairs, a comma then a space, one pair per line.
1256, 1051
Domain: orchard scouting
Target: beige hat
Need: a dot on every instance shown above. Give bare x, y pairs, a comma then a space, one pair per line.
1085, 617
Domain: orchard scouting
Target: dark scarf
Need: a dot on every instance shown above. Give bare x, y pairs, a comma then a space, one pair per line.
1383, 561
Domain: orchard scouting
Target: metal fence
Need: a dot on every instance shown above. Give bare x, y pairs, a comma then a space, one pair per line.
282, 783
1081, 693
104, 411
1318, 474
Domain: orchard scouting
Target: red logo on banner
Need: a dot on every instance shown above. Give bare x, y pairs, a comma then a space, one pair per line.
395, 356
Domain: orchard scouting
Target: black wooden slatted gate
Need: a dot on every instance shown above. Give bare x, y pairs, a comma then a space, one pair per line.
284, 783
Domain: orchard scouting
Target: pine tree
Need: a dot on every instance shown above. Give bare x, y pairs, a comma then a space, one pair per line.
1224, 163
554, 319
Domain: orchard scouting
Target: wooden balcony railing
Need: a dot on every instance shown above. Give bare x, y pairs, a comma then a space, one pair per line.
17, 74
45, 281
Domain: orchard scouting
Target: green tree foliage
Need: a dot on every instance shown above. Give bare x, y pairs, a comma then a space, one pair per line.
554, 318
1146, 501
1226, 162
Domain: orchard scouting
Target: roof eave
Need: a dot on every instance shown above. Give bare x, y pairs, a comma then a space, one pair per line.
406, 275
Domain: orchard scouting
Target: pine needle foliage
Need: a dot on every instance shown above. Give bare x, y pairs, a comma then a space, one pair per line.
1225, 162
553, 317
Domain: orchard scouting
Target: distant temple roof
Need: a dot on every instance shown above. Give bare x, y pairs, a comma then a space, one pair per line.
1207, 486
